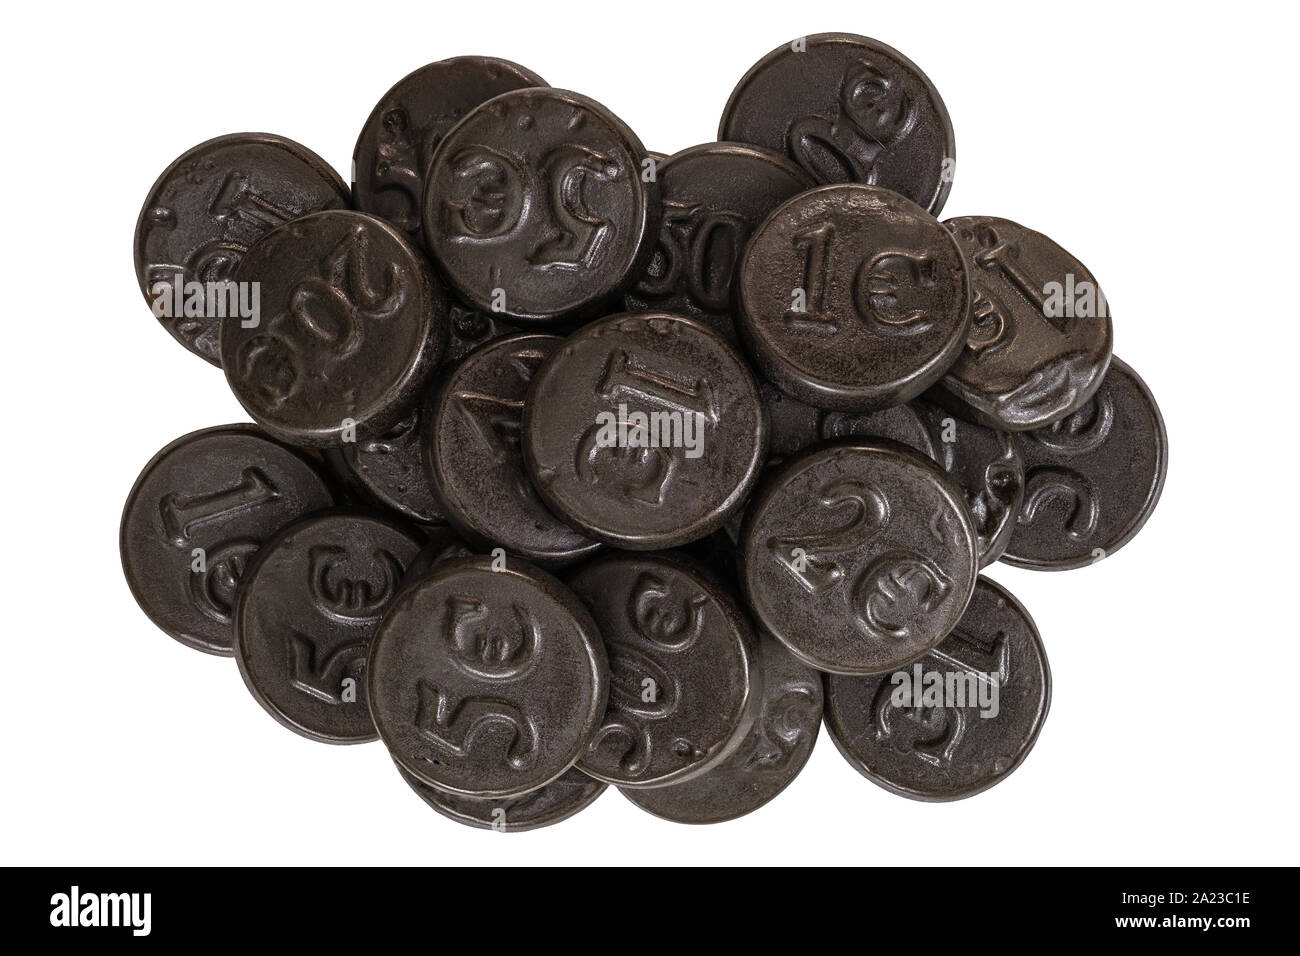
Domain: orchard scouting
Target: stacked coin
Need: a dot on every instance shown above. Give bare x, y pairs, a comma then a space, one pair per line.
578, 465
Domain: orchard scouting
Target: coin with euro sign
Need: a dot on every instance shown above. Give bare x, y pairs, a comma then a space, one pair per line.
576, 464
858, 556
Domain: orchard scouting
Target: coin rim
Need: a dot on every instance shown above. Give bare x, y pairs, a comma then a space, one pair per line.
819, 391
555, 590
667, 540
936, 202
961, 793
1139, 520
772, 486
241, 651
238, 428
295, 149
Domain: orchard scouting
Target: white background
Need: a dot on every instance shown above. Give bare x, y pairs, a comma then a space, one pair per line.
1156, 145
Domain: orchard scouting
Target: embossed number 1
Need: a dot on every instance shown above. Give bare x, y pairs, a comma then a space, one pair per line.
815, 244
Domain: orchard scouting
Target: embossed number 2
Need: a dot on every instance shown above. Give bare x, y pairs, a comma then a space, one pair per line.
579, 232
571, 234
807, 556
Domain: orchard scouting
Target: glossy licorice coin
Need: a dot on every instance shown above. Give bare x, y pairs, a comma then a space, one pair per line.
389, 469
984, 464
858, 556
198, 512
958, 720
848, 109
1092, 479
535, 206
202, 215
307, 609
713, 197
1040, 336
352, 324
645, 430
487, 683
853, 298
472, 440
685, 683
981, 461
396, 146
900, 423
771, 756
560, 799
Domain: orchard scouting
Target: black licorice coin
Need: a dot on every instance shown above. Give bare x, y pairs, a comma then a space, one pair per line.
353, 323
389, 469
472, 440
487, 683
1040, 335
900, 423
560, 799
848, 109
1091, 479
685, 684
941, 729
202, 215
197, 514
858, 556
535, 206
985, 465
713, 197
779, 744
853, 298
307, 609
645, 430
396, 145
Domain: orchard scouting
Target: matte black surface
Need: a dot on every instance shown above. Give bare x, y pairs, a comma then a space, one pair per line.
472, 439
487, 683
352, 325
557, 801
685, 684
984, 464
215, 201
858, 556
1092, 479
713, 197
948, 752
848, 108
307, 610
537, 197
1020, 368
778, 745
853, 298
633, 497
222, 491
396, 145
